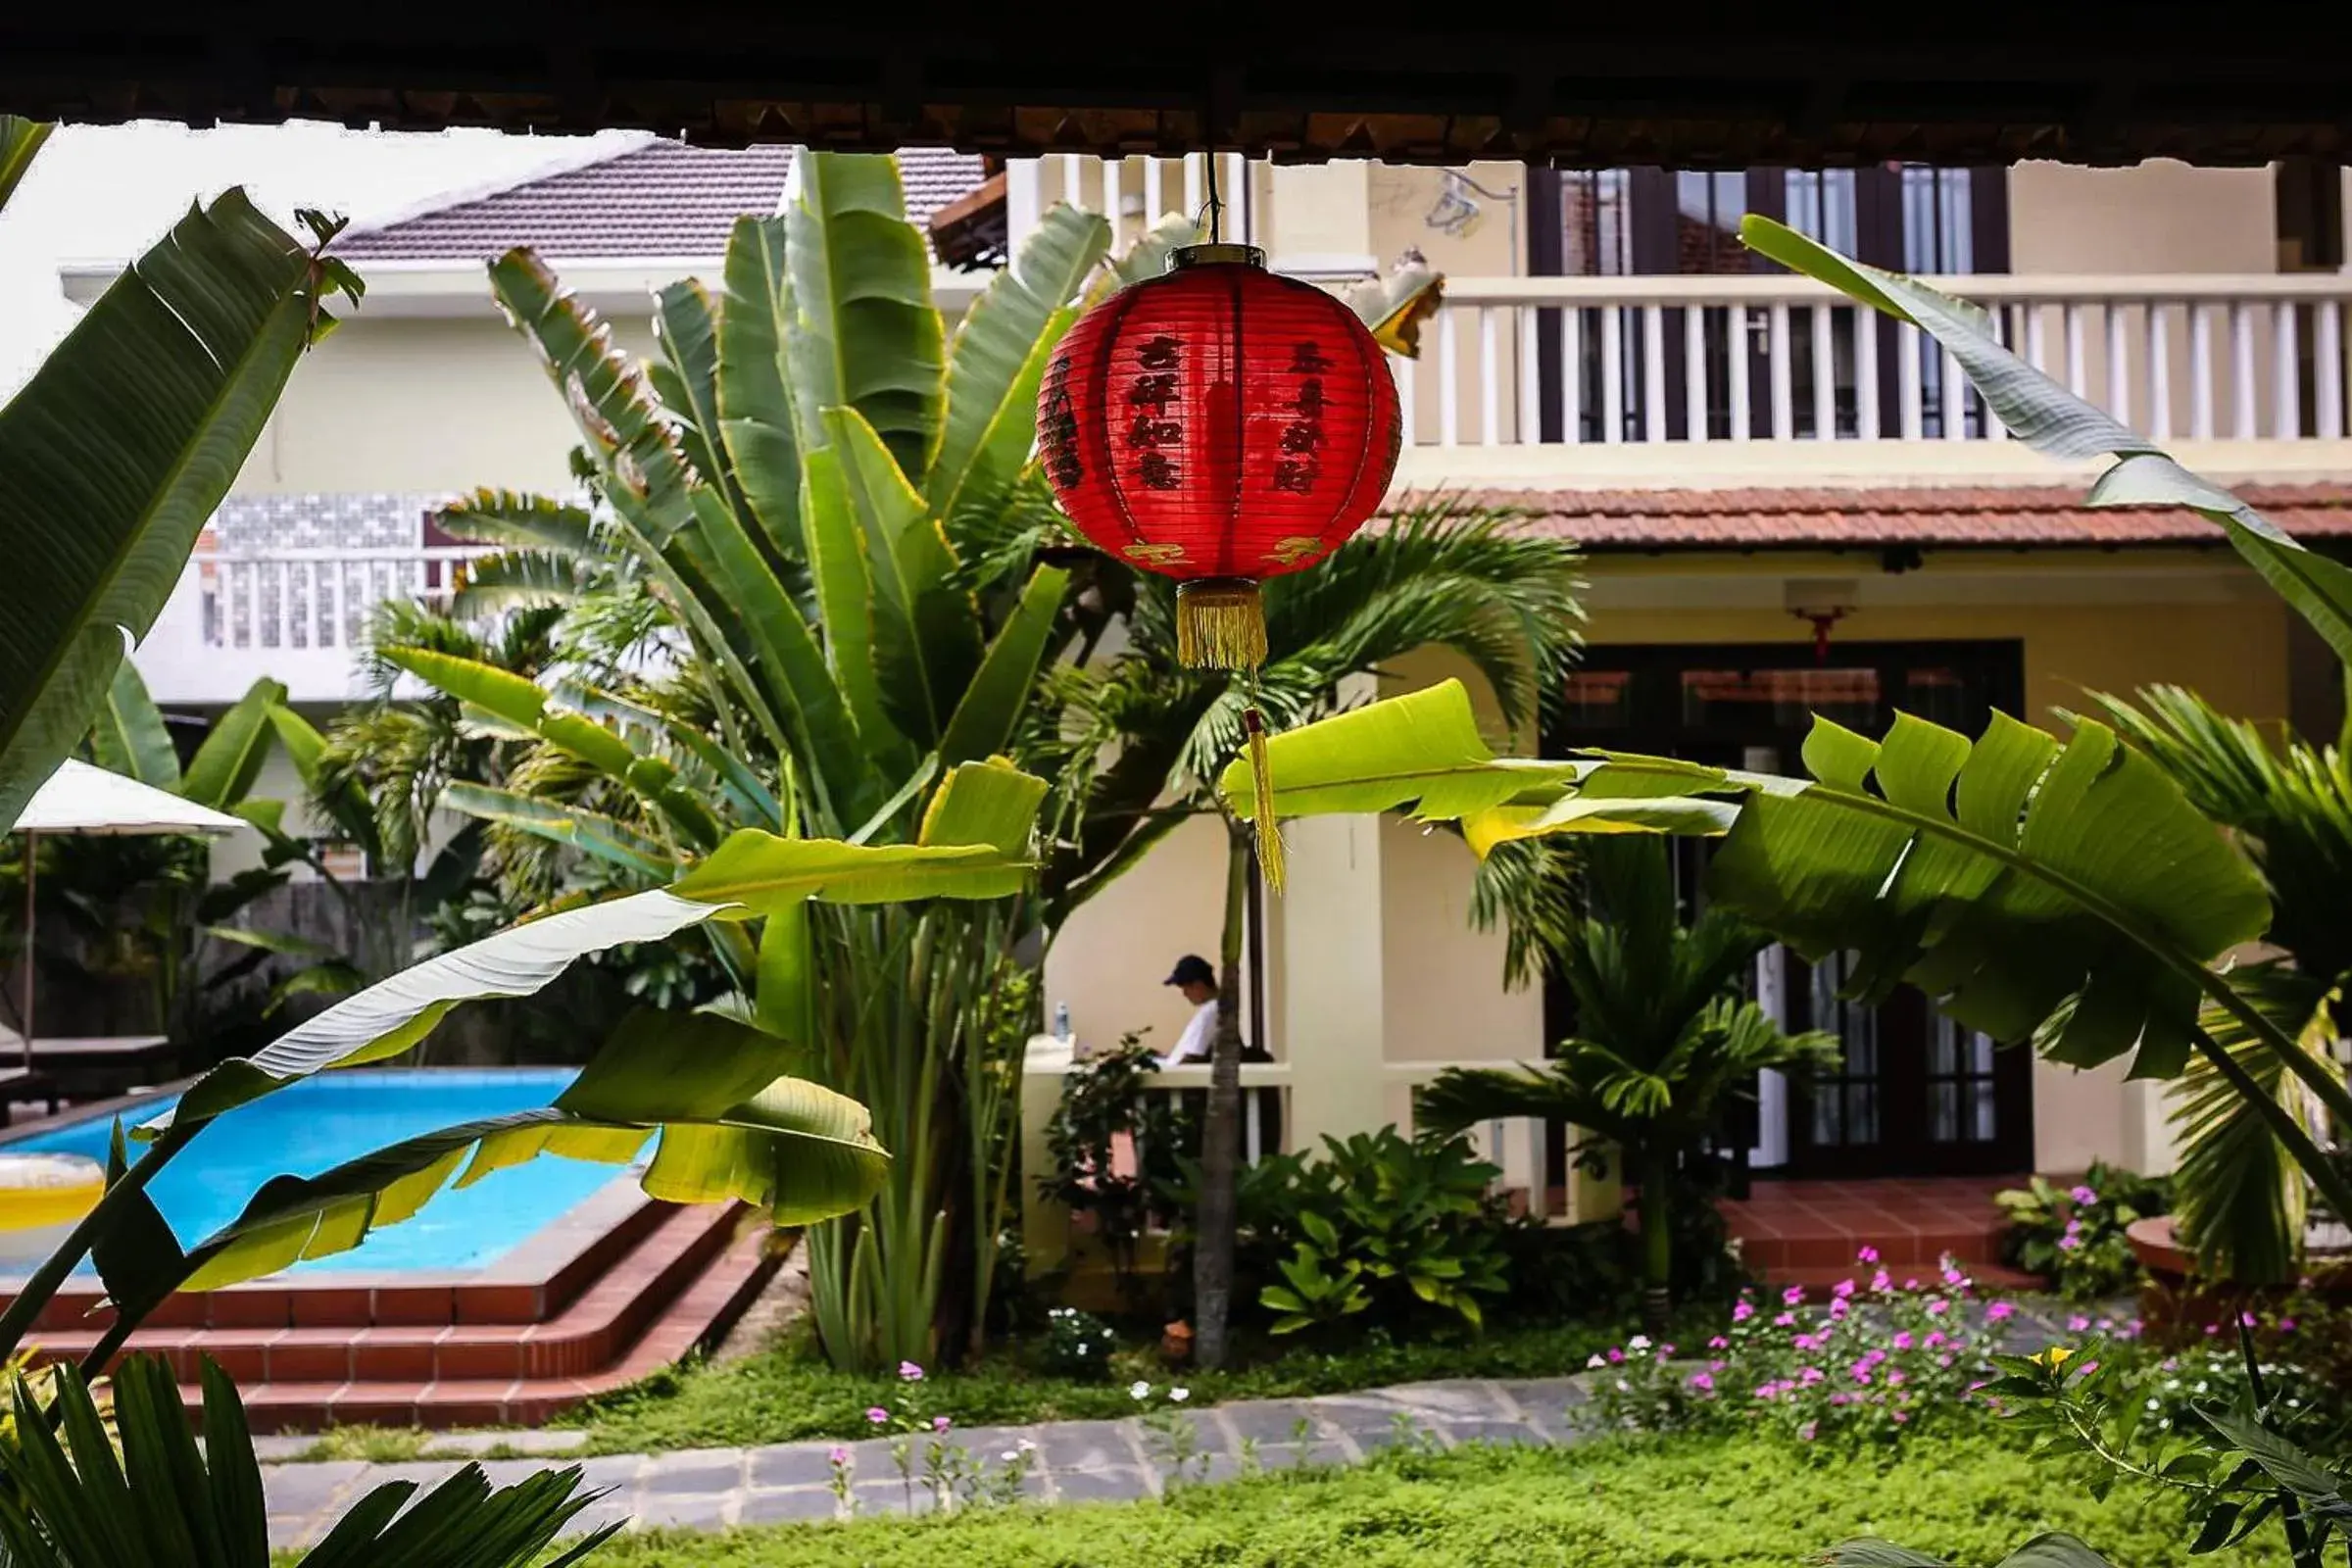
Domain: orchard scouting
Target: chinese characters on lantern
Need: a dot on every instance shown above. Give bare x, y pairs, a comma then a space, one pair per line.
1058, 427
1151, 433
1300, 464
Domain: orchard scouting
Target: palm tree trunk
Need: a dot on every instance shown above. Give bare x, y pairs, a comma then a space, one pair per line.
1221, 1132
1657, 1238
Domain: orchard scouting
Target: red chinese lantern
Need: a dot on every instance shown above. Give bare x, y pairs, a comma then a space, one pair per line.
1219, 425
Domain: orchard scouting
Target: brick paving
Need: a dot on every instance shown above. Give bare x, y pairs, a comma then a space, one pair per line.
1076, 1461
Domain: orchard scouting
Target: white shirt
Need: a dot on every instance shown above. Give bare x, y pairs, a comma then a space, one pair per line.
1199, 1033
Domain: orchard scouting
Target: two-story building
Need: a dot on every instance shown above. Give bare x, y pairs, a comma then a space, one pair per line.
1789, 506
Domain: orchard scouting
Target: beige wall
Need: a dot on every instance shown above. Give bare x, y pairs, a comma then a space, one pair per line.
2160, 216
400, 404
1110, 960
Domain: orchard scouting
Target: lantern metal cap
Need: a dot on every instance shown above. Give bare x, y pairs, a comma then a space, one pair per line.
1184, 255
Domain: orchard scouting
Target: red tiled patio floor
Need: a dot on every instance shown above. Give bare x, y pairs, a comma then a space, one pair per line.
1808, 1232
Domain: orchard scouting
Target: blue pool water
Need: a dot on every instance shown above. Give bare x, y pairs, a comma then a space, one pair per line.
320, 1122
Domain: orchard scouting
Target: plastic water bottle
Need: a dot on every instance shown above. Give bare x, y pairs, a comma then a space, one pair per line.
1061, 1022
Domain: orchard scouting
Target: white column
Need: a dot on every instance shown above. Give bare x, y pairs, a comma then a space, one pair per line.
1332, 1017
1022, 204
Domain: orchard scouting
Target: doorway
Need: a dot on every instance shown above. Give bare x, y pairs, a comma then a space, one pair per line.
1912, 1093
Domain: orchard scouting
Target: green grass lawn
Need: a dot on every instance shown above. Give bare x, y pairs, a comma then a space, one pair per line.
1626, 1503
785, 1394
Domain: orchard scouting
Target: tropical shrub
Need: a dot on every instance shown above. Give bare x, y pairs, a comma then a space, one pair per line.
1889, 1358
2074, 1236
1379, 1232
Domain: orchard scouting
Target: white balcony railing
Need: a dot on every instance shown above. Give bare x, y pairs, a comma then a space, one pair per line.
1615, 361
296, 615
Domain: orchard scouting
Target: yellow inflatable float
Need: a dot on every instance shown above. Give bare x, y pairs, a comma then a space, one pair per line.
41, 1195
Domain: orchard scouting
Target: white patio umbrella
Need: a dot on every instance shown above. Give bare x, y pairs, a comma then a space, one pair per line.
81, 799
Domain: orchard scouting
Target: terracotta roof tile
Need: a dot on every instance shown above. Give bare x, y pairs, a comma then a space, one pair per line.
2014, 517
658, 200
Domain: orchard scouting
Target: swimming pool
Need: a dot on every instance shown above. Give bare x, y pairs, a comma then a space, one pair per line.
320, 1122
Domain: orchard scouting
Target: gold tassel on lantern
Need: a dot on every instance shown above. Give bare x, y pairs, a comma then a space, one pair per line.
1220, 625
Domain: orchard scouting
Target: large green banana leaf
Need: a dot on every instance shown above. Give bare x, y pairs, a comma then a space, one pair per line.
865, 333
998, 359
221, 773
755, 418
686, 378
524, 522
394, 1014
729, 1127
1423, 749
2042, 412
926, 628
845, 597
745, 789
2002, 878
117, 450
130, 736
993, 700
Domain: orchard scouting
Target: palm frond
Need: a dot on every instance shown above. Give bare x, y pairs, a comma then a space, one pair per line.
2239, 1197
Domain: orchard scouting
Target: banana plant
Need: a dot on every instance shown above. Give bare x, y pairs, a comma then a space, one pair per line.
2070, 891
820, 485
125, 441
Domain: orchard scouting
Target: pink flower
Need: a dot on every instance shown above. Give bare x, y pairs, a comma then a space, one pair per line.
1842, 1289
1717, 1343
1902, 1341
1804, 1434
2286, 1325
2245, 1319
1938, 1306
1894, 1378
1714, 1366
1809, 1376
1616, 1355
1703, 1383
1793, 1296
837, 1457
1899, 1416
2211, 1329
2077, 1324
1868, 1254
908, 1372
2068, 1243
2083, 1195
1665, 1351
1768, 1391
939, 1423
1838, 1310
877, 1415
1943, 1360
2086, 1369
1743, 1312
1952, 1276
2000, 1310
1934, 1339
1859, 1371
1841, 1398
1911, 1284
1881, 1282
1784, 1320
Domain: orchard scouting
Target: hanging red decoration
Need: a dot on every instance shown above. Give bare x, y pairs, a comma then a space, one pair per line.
1220, 424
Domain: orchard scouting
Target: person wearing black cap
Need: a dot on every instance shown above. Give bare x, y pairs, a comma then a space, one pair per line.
1198, 983
1264, 1106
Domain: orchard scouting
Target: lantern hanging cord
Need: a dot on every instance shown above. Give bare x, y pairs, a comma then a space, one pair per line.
1213, 206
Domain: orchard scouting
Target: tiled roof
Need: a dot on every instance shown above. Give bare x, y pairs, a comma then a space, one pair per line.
660, 198
1928, 517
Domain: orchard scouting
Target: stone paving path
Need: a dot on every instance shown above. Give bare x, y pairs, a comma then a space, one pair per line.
714, 1489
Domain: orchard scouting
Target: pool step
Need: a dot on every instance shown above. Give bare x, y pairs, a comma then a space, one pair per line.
533, 1283
687, 1276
